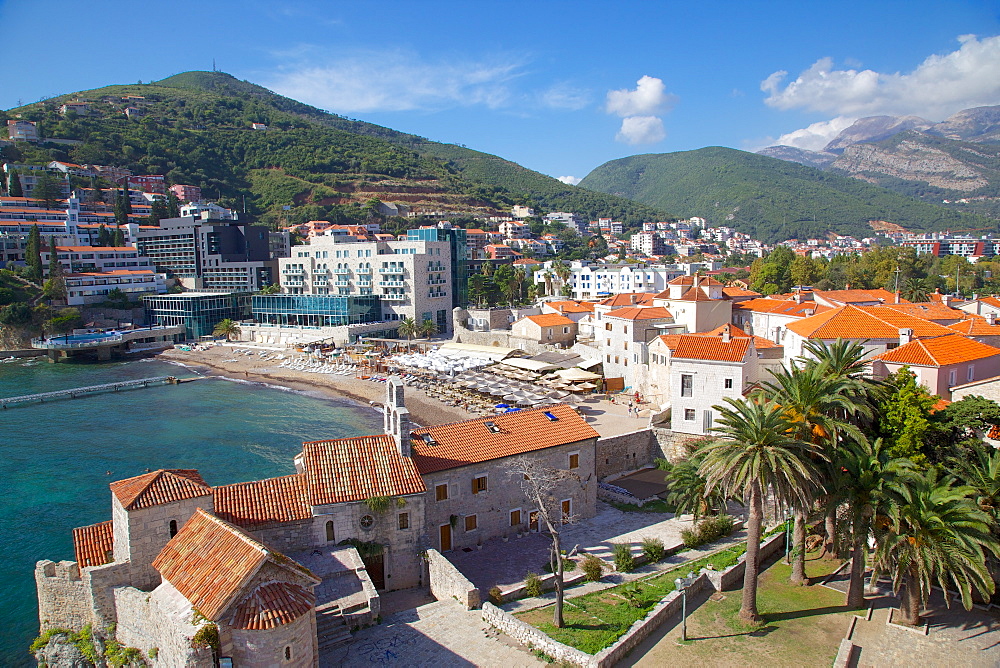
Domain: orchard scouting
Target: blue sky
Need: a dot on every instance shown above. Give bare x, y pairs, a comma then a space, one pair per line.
559, 87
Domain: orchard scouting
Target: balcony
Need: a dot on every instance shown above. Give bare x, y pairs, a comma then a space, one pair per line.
320, 280
292, 271
437, 281
364, 284
364, 270
341, 271
341, 283
435, 295
390, 270
392, 284
293, 282
395, 297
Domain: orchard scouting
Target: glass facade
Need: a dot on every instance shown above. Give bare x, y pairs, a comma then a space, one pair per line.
316, 310
200, 313
455, 236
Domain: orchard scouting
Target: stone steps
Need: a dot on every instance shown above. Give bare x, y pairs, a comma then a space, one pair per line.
330, 627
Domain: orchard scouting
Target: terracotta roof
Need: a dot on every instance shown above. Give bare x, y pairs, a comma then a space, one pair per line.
472, 441
271, 605
858, 322
691, 346
933, 311
571, 306
354, 469
94, 545
696, 294
858, 296
733, 291
549, 320
759, 342
210, 560
689, 280
163, 486
975, 326
782, 307
628, 299
671, 340
939, 351
639, 313
264, 503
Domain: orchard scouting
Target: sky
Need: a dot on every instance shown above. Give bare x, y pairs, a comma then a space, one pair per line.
559, 87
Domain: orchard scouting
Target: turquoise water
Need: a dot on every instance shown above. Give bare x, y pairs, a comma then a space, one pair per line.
55, 457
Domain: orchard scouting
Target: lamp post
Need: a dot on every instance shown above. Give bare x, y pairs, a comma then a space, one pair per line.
787, 531
682, 584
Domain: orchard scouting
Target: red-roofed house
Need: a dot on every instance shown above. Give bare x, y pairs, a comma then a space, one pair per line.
985, 330
696, 302
622, 337
547, 328
941, 362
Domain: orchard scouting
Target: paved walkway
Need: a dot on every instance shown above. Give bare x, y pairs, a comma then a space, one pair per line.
438, 635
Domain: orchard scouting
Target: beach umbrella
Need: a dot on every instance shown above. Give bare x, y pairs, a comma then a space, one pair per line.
502, 406
525, 402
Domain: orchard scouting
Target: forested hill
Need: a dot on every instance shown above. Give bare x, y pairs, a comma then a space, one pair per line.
768, 198
195, 129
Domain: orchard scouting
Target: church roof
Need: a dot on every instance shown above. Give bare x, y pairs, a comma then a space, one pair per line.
209, 561
264, 503
163, 486
272, 604
94, 544
505, 435
355, 469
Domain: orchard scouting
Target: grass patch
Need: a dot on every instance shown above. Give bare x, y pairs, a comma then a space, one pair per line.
658, 506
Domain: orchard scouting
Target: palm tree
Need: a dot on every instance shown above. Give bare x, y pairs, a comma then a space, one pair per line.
408, 328
562, 271
935, 534
914, 291
686, 489
520, 276
228, 328
864, 471
758, 453
982, 474
548, 276
428, 328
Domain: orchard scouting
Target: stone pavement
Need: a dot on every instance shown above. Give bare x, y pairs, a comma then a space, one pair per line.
438, 635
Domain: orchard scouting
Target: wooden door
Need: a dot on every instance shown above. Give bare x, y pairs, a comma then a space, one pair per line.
376, 570
445, 537
533, 520
567, 508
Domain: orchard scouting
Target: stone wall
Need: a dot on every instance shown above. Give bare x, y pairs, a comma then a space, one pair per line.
527, 634
988, 389
446, 581
625, 452
671, 445
570, 579
63, 601
162, 619
101, 582
267, 648
289, 536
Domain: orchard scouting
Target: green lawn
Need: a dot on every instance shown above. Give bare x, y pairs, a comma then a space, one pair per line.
802, 626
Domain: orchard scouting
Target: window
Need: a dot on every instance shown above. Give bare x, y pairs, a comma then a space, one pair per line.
728, 383
288, 653
471, 522
173, 528
404, 521
479, 484
951, 377
574, 460
625, 344
330, 536
607, 326
689, 414
367, 522
625, 329
972, 372
441, 492
515, 517
687, 385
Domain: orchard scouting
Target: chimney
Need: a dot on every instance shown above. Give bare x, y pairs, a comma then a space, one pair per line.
396, 418
991, 318
726, 334
897, 297
905, 336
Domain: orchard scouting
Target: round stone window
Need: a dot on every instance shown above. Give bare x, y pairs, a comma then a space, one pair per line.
367, 522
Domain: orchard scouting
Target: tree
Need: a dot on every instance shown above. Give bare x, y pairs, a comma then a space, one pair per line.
65, 321
562, 272
544, 487
408, 328
478, 289
158, 211
173, 206
118, 238
14, 188
33, 254
505, 280
935, 534
47, 189
103, 236
55, 286
228, 328
123, 207
959, 428
520, 276
272, 289
687, 489
904, 416
757, 453
428, 328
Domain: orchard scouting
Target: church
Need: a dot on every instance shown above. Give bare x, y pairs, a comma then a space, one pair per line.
273, 572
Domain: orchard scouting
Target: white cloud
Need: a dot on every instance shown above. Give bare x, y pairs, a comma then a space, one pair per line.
569, 180
564, 96
637, 130
380, 81
649, 97
817, 135
940, 86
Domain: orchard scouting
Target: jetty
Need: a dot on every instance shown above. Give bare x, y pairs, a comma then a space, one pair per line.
76, 392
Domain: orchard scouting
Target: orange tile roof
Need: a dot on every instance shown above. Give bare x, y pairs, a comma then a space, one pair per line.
733, 291
549, 320
857, 296
939, 351
863, 322
992, 301
91, 249
639, 313
782, 307
163, 486
689, 280
696, 294
628, 299
355, 469
670, 340
471, 442
570, 306
691, 346
272, 604
975, 326
759, 342
933, 311
94, 545
209, 561
264, 503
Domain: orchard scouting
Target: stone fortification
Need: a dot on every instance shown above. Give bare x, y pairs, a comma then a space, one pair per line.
161, 619
446, 581
62, 596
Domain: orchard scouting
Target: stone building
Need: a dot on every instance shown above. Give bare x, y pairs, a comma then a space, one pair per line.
282, 567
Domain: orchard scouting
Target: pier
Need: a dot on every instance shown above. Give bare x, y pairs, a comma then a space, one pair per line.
75, 392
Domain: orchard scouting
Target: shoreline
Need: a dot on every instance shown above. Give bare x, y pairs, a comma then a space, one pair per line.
424, 410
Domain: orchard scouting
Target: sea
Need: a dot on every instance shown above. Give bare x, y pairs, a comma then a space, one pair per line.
57, 458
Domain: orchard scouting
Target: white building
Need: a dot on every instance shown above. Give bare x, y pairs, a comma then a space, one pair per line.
413, 278
594, 280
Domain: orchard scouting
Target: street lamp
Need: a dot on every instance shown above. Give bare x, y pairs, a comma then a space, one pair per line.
682, 584
788, 516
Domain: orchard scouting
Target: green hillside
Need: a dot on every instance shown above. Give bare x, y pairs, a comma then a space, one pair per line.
195, 129
768, 198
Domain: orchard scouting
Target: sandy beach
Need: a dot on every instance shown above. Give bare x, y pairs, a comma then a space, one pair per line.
221, 360
606, 417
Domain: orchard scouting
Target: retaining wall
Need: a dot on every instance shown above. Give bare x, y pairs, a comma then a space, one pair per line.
626, 452
446, 581
526, 634
548, 584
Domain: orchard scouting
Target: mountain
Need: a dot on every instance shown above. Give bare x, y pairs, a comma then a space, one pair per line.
980, 124
768, 198
195, 128
818, 159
